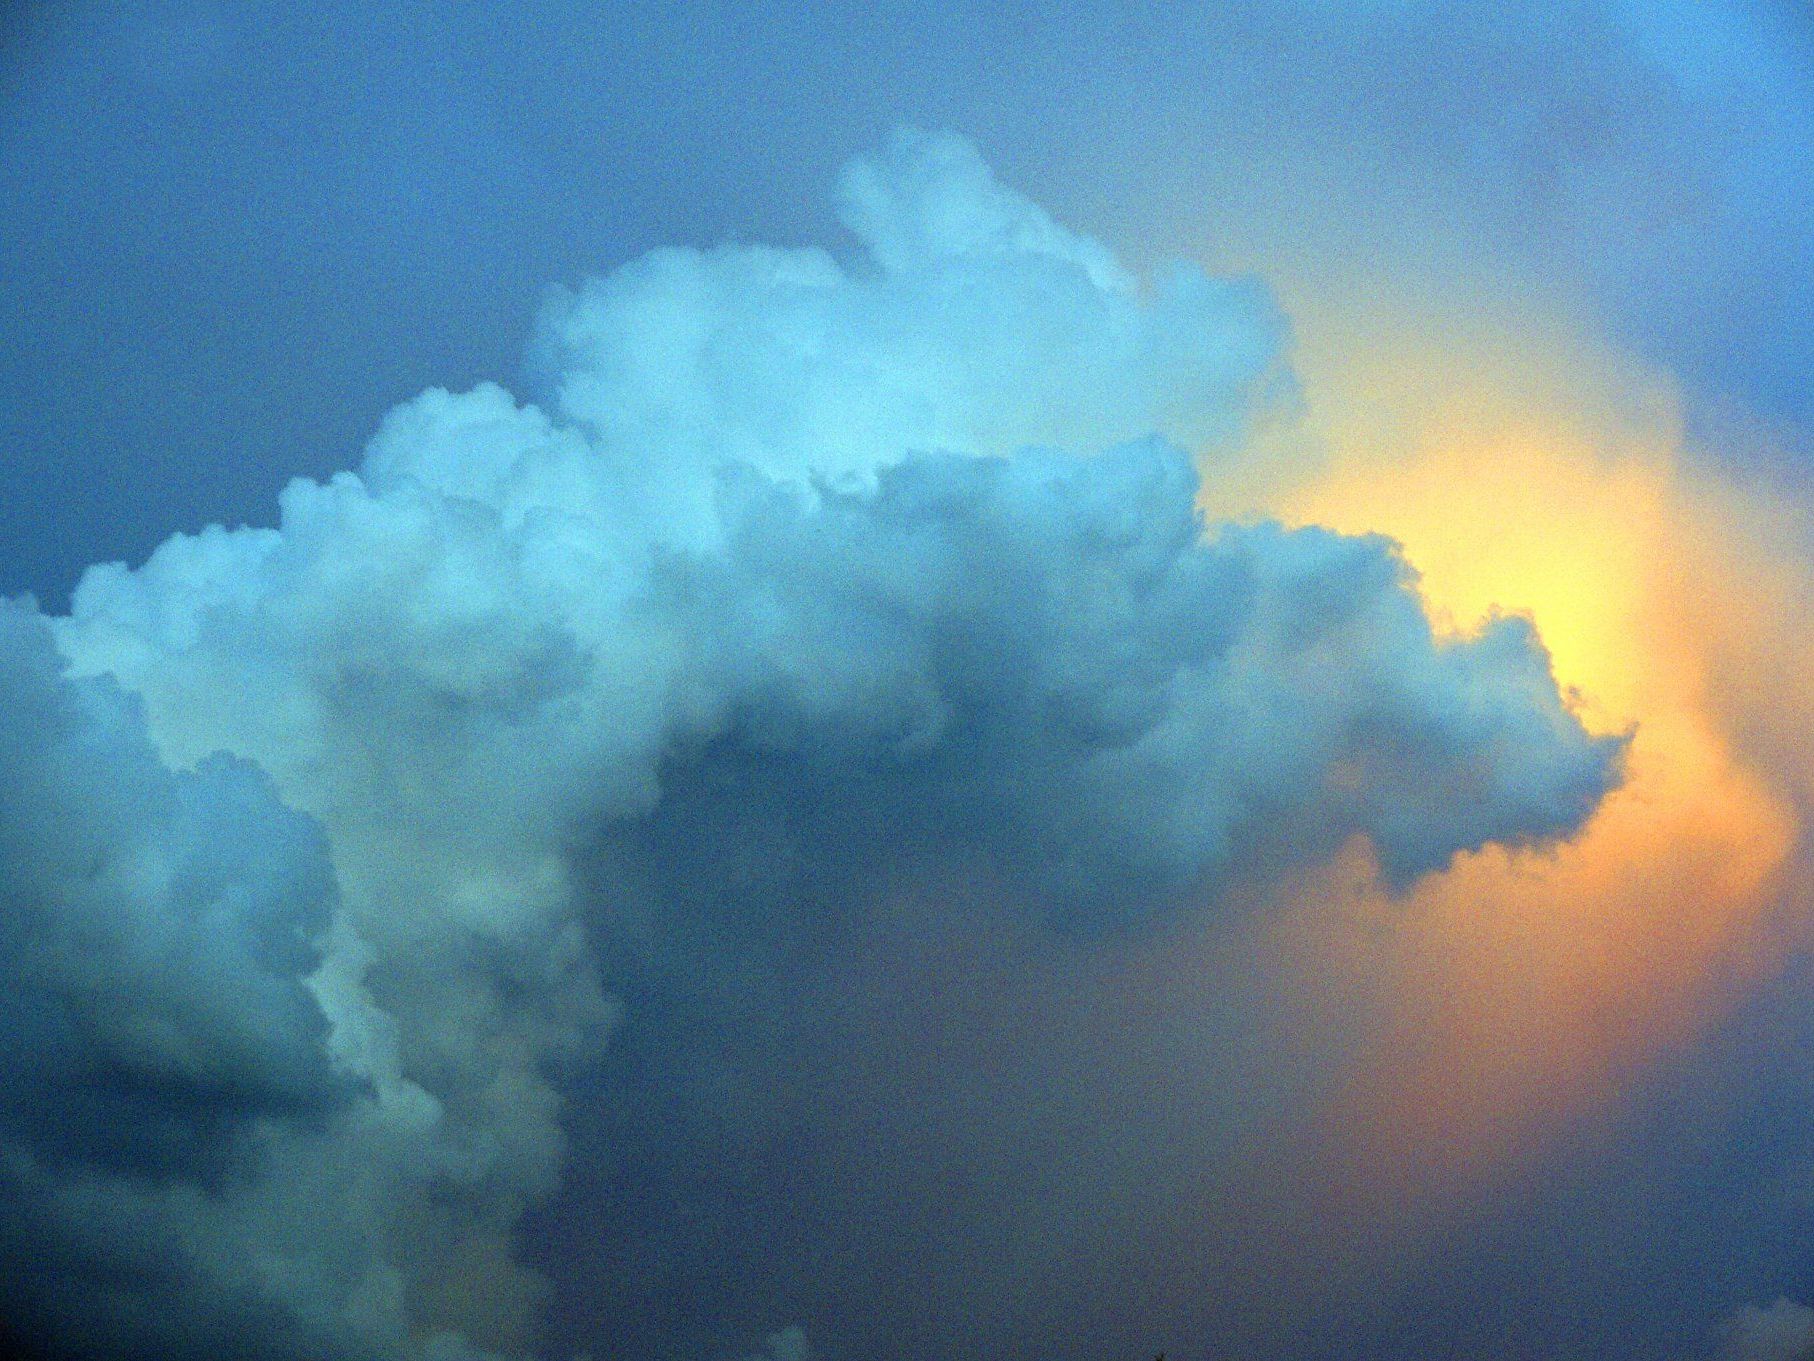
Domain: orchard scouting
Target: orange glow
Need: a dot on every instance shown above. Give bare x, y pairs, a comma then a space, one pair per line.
1515, 994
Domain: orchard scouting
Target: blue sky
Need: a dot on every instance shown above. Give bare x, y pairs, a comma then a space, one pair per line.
238, 234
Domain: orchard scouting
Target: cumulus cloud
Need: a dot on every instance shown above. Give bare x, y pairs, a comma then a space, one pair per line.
578, 773
158, 928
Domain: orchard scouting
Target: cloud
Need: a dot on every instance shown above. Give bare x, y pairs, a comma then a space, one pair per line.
787, 1345
159, 927
1782, 1332
1547, 1089
593, 790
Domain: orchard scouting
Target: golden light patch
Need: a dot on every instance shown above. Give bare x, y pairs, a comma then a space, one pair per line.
1516, 995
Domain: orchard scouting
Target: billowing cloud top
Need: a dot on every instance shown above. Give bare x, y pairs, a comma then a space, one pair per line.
810, 580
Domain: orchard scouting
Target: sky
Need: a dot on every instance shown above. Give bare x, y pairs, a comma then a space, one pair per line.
881, 680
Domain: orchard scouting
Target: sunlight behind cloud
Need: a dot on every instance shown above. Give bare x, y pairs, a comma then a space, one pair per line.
1523, 473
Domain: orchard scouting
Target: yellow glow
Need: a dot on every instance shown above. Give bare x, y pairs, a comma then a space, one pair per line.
1515, 993
1506, 528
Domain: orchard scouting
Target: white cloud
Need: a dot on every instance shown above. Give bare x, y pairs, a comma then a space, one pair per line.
809, 567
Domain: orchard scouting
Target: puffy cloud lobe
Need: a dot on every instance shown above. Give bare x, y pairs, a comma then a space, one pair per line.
810, 575
1046, 655
976, 324
158, 927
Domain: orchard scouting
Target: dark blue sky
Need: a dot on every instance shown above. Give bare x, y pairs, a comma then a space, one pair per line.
236, 234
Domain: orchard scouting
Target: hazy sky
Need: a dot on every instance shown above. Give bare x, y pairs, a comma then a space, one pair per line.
863, 680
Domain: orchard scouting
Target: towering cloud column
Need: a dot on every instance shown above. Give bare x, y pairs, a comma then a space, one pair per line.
547, 777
